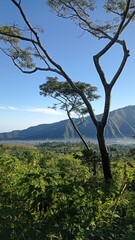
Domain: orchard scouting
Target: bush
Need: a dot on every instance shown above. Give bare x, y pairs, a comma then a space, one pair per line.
57, 197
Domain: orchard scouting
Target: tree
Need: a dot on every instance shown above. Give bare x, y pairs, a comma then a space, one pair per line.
69, 100
121, 14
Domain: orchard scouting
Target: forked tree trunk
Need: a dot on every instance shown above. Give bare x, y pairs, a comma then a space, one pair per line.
104, 153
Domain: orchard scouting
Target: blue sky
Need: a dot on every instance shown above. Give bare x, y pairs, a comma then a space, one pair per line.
21, 105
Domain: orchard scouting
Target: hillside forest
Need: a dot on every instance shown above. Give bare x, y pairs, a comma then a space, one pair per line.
56, 190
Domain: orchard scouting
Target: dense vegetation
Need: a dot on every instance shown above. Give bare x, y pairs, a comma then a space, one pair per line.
50, 191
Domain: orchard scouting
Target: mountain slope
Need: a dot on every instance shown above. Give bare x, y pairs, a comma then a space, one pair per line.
121, 123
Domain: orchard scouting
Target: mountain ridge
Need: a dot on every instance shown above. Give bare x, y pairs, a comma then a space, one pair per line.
121, 124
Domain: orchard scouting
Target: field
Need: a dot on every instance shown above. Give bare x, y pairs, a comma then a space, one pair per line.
57, 191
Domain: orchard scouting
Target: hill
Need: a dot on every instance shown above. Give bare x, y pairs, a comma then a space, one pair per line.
121, 124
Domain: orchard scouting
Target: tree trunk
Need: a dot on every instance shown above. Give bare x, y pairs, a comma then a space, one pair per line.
104, 153
78, 132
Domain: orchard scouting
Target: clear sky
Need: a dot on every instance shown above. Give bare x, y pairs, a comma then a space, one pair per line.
21, 105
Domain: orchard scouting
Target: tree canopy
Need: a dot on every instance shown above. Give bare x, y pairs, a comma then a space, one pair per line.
69, 100
67, 97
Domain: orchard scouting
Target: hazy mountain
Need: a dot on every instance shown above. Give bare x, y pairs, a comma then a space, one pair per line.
121, 123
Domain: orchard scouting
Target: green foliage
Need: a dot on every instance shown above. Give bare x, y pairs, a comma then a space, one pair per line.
82, 13
55, 196
53, 86
22, 57
68, 99
66, 96
11, 35
7, 31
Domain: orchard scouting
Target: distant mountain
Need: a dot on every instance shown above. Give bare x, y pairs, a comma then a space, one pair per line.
121, 123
